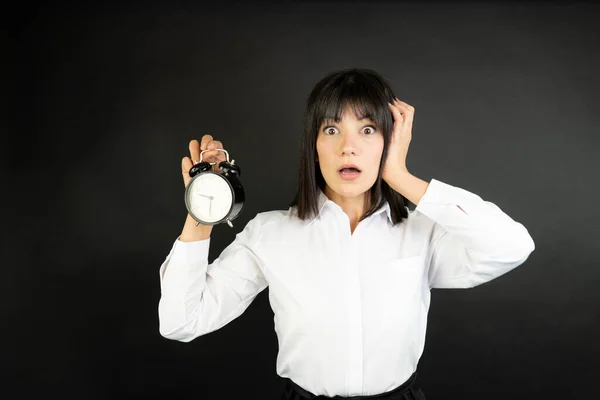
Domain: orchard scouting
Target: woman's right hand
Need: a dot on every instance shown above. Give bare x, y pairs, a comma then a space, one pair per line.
207, 143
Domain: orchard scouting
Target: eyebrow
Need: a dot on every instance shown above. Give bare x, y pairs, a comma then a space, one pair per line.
332, 121
329, 125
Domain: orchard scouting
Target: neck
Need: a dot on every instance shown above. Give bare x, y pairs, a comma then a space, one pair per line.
354, 207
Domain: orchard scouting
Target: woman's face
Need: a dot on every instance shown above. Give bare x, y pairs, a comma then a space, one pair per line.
351, 141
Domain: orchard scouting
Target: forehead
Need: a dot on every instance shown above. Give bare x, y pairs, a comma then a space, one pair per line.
347, 114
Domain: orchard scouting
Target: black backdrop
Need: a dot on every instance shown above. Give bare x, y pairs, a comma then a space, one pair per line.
105, 99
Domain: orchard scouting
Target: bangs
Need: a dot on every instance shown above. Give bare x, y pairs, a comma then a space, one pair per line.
365, 97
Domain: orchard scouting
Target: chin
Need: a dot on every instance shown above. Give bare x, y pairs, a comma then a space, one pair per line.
350, 190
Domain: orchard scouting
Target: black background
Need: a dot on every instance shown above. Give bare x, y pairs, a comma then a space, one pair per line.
104, 99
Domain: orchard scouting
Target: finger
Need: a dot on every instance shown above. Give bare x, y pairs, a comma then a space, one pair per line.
406, 110
206, 139
208, 143
186, 164
215, 155
396, 113
194, 150
404, 106
214, 144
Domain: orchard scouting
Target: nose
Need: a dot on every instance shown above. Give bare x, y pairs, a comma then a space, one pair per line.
348, 144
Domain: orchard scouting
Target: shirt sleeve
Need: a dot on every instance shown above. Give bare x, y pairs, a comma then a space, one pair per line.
197, 297
473, 240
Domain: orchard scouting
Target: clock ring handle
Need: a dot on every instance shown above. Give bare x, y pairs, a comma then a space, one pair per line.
213, 163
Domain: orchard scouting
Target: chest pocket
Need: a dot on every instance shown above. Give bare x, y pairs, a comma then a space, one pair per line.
401, 283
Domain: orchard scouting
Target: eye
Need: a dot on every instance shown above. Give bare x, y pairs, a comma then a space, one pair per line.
327, 130
370, 130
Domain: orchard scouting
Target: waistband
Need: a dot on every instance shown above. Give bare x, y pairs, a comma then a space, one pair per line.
399, 393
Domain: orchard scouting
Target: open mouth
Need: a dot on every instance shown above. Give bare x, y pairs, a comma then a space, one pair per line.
349, 173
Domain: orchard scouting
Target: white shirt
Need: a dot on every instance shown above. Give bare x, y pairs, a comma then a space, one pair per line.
350, 310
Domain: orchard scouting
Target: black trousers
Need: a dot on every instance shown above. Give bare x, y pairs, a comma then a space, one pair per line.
409, 390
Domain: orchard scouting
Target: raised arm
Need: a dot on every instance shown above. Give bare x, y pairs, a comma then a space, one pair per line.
473, 240
198, 298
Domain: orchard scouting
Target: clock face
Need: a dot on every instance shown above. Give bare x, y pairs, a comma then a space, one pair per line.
210, 197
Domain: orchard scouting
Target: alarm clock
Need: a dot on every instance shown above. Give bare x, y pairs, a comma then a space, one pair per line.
214, 197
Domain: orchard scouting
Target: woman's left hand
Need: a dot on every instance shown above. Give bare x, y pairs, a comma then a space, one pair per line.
396, 159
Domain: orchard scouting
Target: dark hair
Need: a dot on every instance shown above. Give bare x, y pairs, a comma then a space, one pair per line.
368, 94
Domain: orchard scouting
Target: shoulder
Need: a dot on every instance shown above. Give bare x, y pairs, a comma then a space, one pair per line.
277, 218
277, 222
418, 223
272, 216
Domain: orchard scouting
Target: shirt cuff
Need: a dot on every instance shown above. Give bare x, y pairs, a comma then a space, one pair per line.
186, 254
190, 252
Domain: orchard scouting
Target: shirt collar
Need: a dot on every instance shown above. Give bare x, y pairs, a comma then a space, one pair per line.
323, 201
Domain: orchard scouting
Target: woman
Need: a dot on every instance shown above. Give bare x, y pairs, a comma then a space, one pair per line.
348, 265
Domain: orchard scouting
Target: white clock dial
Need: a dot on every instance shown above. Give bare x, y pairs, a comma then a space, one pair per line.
210, 197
